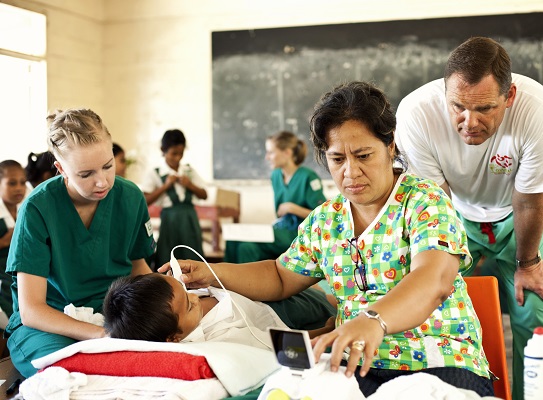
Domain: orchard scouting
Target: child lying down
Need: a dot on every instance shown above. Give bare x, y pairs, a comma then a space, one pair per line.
156, 307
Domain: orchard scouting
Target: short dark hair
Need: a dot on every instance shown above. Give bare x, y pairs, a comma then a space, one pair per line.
39, 164
140, 307
358, 101
477, 58
117, 149
172, 137
4, 165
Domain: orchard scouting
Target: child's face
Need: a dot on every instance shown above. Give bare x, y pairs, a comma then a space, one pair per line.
174, 155
187, 306
89, 171
120, 164
13, 185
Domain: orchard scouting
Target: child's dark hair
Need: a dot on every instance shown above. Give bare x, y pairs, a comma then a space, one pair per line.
139, 307
117, 149
4, 165
172, 137
39, 165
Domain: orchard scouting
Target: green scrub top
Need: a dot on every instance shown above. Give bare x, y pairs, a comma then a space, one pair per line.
304, 189
51, 241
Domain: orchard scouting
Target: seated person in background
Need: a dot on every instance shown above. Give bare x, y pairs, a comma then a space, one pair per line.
12, 193
296, 189
391, 248
39, 168
120, 160
157, 308
172, 186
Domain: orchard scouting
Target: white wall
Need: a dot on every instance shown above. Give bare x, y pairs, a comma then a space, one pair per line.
157, 57
145, 65
74, 52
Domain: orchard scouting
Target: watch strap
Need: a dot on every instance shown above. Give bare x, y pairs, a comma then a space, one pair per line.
529, 263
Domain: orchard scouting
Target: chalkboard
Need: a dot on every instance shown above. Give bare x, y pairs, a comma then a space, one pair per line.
266, 80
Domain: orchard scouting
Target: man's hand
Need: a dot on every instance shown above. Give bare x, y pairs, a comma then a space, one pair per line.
529, 278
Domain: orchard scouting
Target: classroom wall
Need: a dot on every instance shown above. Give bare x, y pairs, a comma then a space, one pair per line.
157, 57
74, 53
145, 65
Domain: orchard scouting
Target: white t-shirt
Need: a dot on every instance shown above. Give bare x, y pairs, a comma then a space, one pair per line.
153, 181
236, 319
5, 215
482, 177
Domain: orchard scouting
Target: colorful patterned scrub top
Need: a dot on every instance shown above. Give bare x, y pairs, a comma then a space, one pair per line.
418, 216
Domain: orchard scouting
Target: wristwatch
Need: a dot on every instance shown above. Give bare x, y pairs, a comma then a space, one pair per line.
528, 263
375, 315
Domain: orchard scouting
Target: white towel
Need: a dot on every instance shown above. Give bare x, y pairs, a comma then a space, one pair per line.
101, 387
422, 386
54, 383
240, 368
323, 386
85, 314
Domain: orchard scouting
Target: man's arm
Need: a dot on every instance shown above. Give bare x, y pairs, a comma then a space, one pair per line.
446, 189
528, 223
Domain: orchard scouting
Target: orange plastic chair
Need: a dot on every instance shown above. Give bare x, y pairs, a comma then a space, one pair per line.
483, 291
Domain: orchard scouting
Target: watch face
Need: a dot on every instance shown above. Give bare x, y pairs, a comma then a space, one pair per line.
372, 313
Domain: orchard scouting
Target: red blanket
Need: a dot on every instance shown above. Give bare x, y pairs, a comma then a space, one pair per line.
163, 364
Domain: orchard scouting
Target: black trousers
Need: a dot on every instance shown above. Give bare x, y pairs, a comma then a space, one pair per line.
457, 377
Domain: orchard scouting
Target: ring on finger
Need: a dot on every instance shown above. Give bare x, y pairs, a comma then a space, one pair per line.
359, 345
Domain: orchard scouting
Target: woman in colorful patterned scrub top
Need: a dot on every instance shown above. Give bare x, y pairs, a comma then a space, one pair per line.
74, 235
389, 245
297, 190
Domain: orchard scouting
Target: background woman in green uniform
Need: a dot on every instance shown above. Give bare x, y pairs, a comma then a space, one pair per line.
171, 186
74, 235
12, 193
297, 190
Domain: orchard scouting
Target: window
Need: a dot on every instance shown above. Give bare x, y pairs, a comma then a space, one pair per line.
23, 83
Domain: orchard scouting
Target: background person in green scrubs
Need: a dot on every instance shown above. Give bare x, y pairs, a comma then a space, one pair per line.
74, 235
297, 190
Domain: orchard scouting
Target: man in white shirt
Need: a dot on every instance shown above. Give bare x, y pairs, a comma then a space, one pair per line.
479, 134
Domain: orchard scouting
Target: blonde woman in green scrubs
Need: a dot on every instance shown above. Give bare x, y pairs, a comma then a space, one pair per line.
73, 236
297, 190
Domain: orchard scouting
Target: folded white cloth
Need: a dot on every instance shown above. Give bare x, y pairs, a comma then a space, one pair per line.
53, 383
239, 368
422, 386
320, 384
101, 387
85, 314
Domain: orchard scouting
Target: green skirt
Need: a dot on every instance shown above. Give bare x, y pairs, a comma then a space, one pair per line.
178, 225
